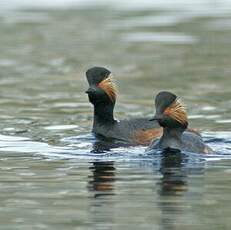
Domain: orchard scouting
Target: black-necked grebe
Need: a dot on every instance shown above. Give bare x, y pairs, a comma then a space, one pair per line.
102, 94
172, 116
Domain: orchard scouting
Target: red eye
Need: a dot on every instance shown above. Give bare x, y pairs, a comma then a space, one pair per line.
167, 111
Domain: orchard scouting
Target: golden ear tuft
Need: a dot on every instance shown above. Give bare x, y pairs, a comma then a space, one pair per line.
109, 87
177, 111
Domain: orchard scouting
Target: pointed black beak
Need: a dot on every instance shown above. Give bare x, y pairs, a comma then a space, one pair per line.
156, 118
90, 90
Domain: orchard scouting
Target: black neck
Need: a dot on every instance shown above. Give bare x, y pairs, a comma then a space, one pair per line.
172, 138
103, 114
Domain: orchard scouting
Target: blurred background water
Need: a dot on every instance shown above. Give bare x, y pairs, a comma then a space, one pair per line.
49, 177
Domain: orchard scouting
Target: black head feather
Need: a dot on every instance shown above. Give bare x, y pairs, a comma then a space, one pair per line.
97, 74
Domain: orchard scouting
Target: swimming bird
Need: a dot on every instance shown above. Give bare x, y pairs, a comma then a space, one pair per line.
171, 115
102, 94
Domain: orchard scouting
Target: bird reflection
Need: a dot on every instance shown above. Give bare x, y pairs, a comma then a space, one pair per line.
101, 186
173, 186
102, 178
174, 180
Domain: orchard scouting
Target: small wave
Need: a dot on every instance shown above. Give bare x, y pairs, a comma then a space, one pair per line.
88, 147
163, 37
61, 127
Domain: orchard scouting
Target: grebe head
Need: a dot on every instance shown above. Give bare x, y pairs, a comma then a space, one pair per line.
101, 86
170, 112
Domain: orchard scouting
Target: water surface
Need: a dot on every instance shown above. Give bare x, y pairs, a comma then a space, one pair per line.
50, 177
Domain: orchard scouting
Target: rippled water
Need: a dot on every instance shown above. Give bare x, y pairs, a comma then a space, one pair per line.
50, 177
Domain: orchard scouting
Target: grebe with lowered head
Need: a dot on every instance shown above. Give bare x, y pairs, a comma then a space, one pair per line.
172, 116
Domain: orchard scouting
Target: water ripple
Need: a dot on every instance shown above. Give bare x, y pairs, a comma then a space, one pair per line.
162, 37
80, 147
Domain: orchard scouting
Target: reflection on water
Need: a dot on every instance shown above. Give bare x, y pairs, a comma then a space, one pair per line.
123, 188
54, 173
102, 178
172, 184
174, 187
174, 180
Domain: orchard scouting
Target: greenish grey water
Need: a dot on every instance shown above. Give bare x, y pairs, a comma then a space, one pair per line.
49, 177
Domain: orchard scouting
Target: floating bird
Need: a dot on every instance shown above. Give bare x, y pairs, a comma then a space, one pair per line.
171, 115
102, 94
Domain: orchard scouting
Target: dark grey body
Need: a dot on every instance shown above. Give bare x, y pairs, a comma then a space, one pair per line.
124, 130
104, 124
177, 139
